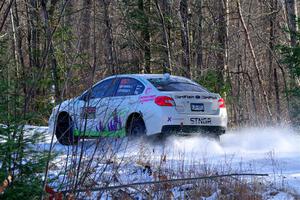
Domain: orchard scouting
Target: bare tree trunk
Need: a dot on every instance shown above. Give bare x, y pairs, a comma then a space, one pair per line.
272, 68
18, 44
2, 5
53, 62
185, 41
226, 50
199, 48
248, 40
239, 111
11, 164
85, 28
168, 62
291, 11
247, 76
19, 38
32, 39
277, 97
16, 61
108, 38
166, 9
6, 12
144, 6
222, 55
33, 35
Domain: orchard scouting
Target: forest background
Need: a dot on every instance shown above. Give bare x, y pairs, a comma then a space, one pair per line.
245, 50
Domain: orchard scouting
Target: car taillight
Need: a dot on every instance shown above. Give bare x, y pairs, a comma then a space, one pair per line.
164, 101
221, 103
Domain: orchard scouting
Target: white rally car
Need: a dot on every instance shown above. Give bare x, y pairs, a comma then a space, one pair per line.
139, 104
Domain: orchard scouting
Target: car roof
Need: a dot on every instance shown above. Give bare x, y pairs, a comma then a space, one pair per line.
146, 76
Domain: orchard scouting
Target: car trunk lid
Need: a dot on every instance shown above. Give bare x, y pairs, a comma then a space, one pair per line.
200, 103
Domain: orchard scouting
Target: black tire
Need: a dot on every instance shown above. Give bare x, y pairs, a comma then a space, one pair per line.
64, 130
137, 127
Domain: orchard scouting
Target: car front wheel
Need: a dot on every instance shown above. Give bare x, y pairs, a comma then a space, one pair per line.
65, 130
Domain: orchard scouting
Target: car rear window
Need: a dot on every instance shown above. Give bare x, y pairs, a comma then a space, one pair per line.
176, 84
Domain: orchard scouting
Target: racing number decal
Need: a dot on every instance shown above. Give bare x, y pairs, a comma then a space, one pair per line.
88, 113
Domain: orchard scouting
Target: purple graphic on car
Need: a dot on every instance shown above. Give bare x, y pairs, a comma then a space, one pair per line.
101, 127
114, 124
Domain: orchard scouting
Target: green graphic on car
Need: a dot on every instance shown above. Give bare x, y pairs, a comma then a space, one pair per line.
114, 127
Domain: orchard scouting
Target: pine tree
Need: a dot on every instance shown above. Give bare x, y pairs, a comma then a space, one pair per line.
21, 163
291, 57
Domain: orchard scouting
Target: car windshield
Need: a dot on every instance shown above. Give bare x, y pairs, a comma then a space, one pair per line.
176, 84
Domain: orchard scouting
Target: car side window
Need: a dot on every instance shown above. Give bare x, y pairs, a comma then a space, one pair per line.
129, 86
111, 88
104, 89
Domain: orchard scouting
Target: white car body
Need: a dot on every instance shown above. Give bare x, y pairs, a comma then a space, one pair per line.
106, 111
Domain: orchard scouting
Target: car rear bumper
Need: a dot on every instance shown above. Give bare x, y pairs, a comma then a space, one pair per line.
168, 118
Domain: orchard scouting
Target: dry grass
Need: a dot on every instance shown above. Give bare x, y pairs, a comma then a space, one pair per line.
147, 165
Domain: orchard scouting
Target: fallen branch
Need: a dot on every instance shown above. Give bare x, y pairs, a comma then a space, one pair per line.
160, 182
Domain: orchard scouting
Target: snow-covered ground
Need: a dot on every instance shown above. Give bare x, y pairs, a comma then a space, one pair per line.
275, 151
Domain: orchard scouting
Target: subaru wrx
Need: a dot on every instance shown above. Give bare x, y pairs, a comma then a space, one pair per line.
139, 104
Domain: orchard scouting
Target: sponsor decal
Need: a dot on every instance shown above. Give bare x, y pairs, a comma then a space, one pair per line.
88, 113
184, 97
124, 89
147, 98
124, 81
194, 97
200, 120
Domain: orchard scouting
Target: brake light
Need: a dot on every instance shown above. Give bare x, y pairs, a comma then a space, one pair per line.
164, 101
221, 103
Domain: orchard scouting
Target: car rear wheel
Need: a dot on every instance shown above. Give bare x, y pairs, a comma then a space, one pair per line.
137, 127
65, 130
